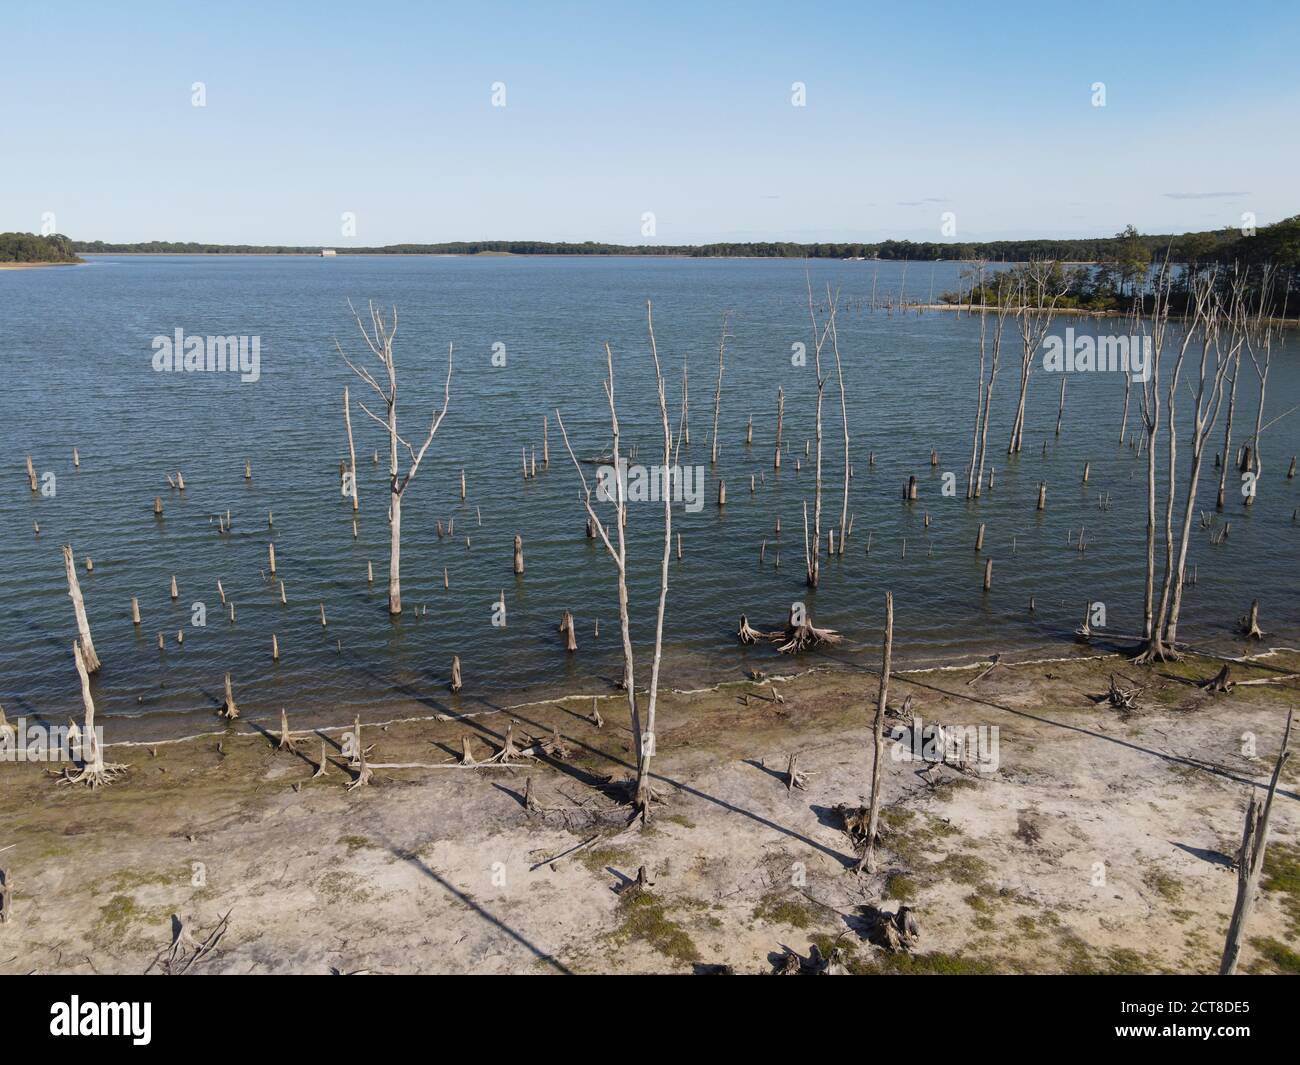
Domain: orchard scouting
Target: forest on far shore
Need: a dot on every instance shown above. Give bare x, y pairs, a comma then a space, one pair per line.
1278, 244
29, 248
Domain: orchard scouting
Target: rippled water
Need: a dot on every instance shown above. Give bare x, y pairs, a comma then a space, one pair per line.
76, 347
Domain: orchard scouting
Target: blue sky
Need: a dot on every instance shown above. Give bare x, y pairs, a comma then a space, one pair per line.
612, 110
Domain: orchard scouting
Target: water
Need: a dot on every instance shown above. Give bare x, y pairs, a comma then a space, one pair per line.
76, 347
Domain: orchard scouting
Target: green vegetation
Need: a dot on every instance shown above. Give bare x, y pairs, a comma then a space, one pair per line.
1129, 250
779, 907
1282, 874
644, 917
29, 248
1279, 955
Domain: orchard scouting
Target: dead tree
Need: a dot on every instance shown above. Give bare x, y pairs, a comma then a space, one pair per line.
1207, 323
1036, 308
88, 656
644, 793
94, 770
617, 554
975, 479
717, 396
844, 414
780, 418
1259, 345
1250, 863
352, 451
379, 339
812, 549
868, 860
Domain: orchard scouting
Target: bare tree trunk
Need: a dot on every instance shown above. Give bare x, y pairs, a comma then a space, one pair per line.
780, 418
1227, 431
644, 793
878, 749
379, 339
1250, 863
717, 396
79, 609
1123, 422
979, 403
844, 415
617, 554
352, 451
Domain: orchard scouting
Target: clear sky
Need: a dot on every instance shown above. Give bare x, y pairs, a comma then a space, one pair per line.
385, 110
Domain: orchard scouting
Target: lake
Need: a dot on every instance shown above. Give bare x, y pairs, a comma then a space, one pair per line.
76, 344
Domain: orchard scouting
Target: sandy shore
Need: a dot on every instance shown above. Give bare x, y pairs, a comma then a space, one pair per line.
30, 266
1097, 841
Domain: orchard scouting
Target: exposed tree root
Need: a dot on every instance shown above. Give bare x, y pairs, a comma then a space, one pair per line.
185, 950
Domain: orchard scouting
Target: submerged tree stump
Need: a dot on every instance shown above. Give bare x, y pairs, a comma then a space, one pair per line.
228, 708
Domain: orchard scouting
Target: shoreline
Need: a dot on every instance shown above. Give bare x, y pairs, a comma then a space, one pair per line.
30, 266
403, 708
522, 865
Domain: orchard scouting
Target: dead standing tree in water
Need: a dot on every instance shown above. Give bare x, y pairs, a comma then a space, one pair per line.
717, 396
1160, 626
379, 339
1259, 346
617, 554
844, 414
980, 439
812, 550
1039, 289
88, 656
644, 793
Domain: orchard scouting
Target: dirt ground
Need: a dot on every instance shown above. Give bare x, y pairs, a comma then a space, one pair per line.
1096, 841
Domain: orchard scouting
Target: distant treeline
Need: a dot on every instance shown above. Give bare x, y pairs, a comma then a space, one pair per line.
29, 248
1224, 245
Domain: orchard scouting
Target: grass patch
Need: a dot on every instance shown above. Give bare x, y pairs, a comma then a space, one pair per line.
1282, 874
1166, 886
597, 858
1279, 955
900, 886
936, 964
644, 917
354, 843
779, 907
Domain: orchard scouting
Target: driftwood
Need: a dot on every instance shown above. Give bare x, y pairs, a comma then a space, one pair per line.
794, 777
1123, 699
185, 951
455, 674
994, 660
